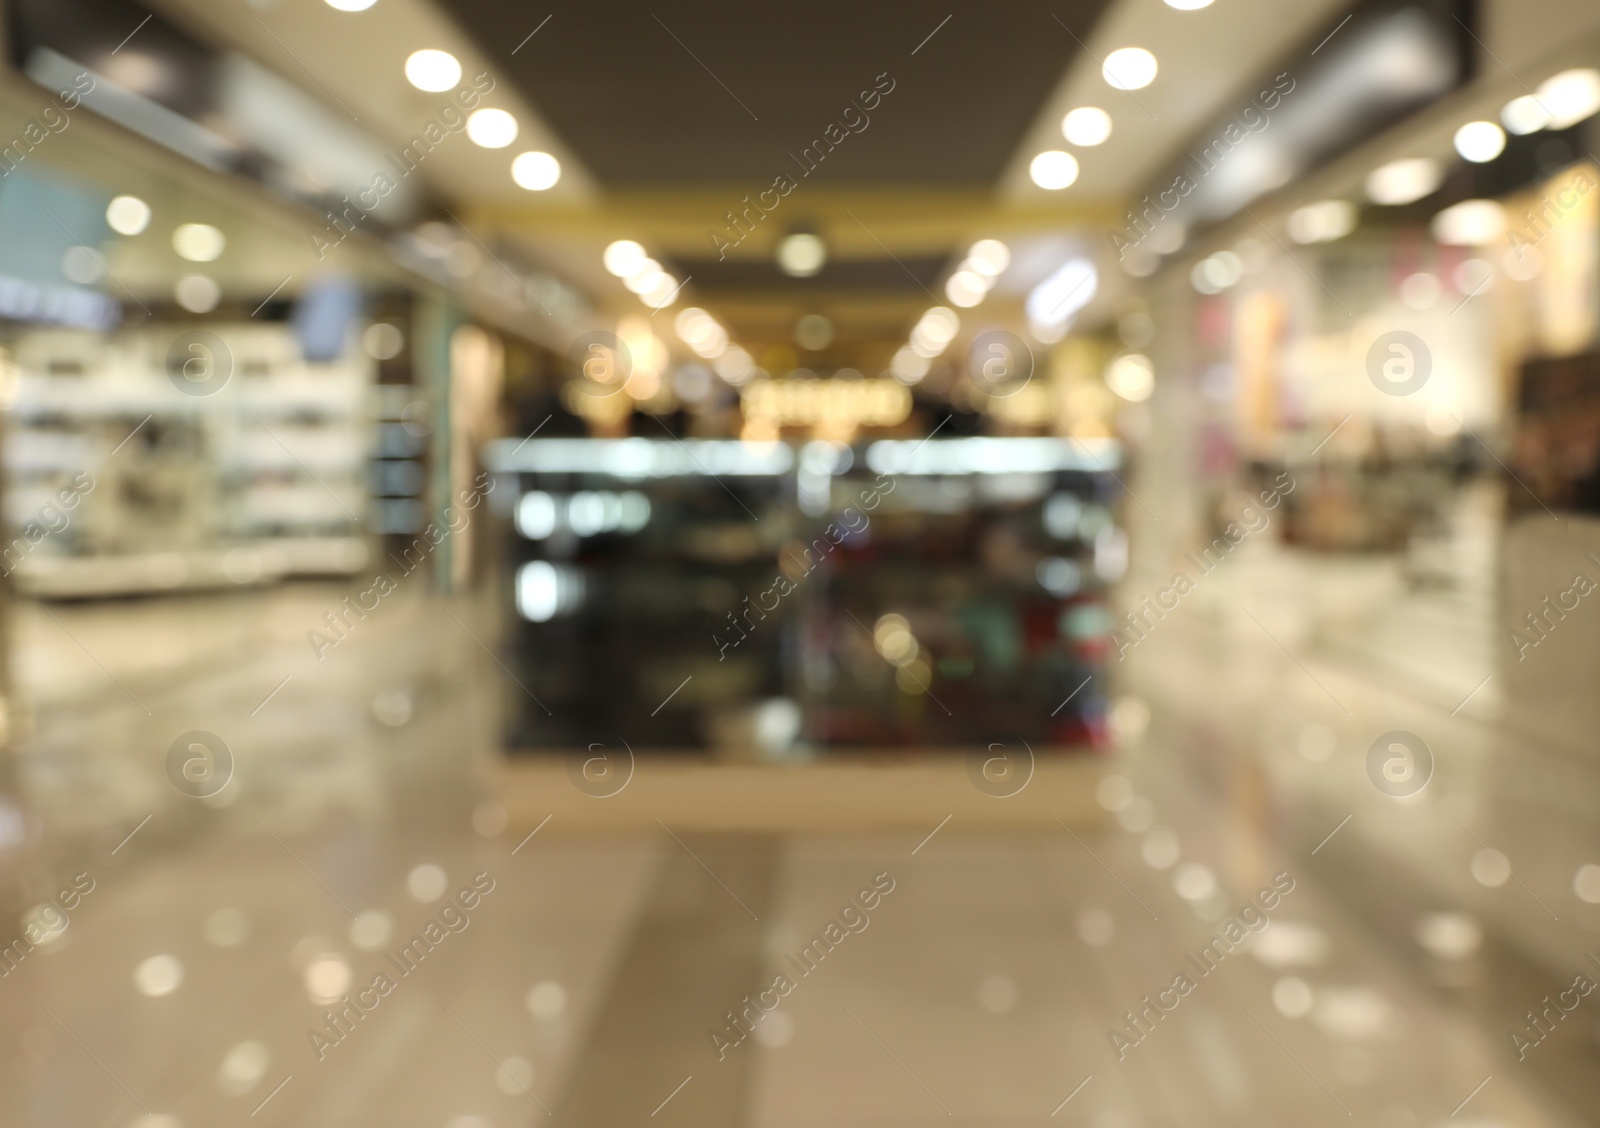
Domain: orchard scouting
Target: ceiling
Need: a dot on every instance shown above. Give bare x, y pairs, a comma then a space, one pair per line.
719, 91
665, 117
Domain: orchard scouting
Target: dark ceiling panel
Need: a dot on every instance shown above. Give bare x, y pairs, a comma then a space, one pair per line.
720, 91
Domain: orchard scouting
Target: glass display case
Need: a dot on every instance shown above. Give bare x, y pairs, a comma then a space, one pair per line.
769, 602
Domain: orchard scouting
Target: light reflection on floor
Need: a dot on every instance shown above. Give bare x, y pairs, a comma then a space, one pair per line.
1009, 977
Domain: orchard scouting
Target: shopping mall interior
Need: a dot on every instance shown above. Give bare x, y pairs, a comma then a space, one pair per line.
529, 529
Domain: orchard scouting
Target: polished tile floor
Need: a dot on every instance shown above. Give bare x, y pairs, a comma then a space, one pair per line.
596, 975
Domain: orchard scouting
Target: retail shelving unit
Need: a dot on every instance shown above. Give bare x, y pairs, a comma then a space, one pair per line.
261, 478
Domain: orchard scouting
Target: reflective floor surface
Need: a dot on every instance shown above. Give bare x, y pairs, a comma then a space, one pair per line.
501, 969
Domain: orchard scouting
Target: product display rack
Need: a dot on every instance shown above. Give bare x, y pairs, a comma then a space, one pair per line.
263, 477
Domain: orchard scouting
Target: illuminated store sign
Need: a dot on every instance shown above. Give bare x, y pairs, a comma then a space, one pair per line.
846, 403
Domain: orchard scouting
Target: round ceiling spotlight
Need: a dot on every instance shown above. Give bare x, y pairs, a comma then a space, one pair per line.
1525, 115
813, 332
1129, 68
1570, 96
802, 254
989, 257
1086, 126
1471, 223
966, 288
433, 71
491, 128
351, 5
1132, 377
128, 215
535, 171
644, 278
1404, 181
198, 242
624, 258
1480, 141
1053, 169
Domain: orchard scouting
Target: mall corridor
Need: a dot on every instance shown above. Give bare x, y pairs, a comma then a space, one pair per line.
991, 565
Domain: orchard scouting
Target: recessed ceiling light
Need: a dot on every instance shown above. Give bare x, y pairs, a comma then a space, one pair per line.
1129, 68
433, 71
644, 277
1480, 141
198, 242
813, 332
1471, 223
907, 366
1525, 115
989, 257
966, 288
535, 171
1086, 126
662, 291
351, 5
1053, 169
1404, 181
801, 255
1188, 5
623, 258
128, 215
493, 129
1132, 377
1322, 222
1570, 96
197, 293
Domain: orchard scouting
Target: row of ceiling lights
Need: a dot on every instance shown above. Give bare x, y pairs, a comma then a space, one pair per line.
986, 260
196, 242
702, 333
930, 336
640, 273
1561, 101
1126, 68
437, 71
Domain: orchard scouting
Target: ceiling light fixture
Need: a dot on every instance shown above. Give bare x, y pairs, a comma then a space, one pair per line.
198, 242
1322, 222
802, 254
1570, 96
989, 257
1471, 223
966, 288
351, 5
1132, 377
1129, 68
1053, 170
128, 215
1524, 115
491, 128
1404, 181
623, 258
1086, 126
535, 171
1480, 141
662, 291
1053, 301
644, 277
433, 71
907, 366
